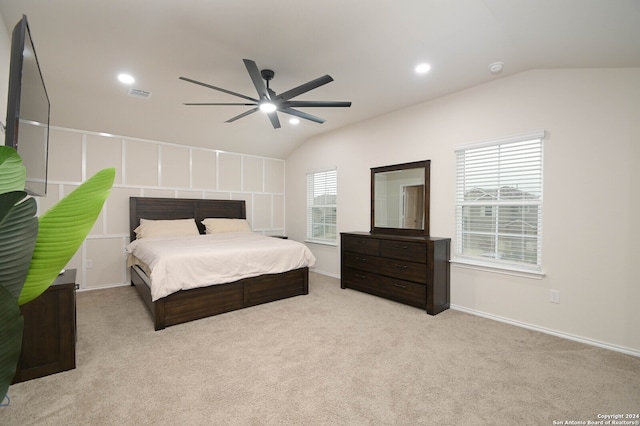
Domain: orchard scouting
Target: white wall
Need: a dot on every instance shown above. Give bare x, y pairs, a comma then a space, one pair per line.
591, 198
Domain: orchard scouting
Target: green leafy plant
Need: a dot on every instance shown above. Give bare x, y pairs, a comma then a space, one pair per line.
33, 250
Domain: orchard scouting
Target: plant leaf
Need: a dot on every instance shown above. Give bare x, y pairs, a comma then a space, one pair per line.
11, 325
12, 172
18, 232
63, 228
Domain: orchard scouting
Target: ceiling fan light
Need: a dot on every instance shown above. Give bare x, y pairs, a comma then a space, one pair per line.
267, 107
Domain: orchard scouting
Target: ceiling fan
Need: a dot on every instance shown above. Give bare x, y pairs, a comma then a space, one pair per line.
269, 102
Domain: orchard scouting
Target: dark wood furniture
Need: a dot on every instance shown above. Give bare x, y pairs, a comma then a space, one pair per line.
409, 269
49, 336
398, 259
188, 305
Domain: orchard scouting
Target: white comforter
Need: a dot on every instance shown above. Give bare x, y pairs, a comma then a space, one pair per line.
181, 263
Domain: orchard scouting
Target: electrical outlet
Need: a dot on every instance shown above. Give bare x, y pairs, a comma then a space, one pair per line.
554, 296
89, 264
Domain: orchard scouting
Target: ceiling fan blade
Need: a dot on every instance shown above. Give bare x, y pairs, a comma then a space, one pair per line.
301, 114
212, 103
303, 88
218, 89
310, 104
274, 120
256, 77
244, 114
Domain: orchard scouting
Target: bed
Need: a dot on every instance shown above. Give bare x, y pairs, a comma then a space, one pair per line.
195, 303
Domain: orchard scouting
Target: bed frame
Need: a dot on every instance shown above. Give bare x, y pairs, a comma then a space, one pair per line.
189, 305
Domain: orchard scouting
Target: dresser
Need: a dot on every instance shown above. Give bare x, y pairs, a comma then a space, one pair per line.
413, 270
49, 335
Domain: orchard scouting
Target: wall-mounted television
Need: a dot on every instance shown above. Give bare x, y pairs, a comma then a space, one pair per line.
28, 109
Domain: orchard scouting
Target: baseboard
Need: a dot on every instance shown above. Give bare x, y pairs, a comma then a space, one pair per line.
568, 336
127, 284
328, 274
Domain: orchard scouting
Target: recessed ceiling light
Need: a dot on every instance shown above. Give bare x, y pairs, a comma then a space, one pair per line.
422, 68
126, 78
294, 121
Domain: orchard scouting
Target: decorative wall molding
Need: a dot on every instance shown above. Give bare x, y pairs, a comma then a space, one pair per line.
154, 169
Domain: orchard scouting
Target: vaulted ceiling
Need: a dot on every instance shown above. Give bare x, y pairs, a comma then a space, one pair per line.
369, 48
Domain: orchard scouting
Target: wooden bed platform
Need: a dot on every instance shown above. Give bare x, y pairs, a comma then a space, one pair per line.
188, 305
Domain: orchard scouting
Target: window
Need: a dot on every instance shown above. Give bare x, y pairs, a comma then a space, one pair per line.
322, 192
499, 203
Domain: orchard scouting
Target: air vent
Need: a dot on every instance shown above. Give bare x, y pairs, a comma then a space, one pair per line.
139, 93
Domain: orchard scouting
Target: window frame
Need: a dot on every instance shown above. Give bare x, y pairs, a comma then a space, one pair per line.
526, 203
331, 185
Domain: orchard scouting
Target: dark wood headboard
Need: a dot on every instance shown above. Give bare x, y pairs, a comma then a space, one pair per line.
182, 208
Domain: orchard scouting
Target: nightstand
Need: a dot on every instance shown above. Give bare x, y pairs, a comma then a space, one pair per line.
49, 336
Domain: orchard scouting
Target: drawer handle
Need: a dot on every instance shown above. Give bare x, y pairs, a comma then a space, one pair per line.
399, 285
401, 266
362, 277
402, 247
361, 259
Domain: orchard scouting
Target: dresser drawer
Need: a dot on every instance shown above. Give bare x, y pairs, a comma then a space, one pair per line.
398, 290
410, 251
369, 246
361, 262
402, 269
395, 268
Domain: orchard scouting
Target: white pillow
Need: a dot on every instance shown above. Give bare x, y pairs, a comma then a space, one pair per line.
165, 228
218, 226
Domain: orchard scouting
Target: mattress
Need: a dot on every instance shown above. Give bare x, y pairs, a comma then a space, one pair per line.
186, 262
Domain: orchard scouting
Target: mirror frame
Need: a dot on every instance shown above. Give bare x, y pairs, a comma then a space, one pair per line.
426, 165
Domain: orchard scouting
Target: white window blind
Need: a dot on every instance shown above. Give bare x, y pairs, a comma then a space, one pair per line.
322, 193
499, 203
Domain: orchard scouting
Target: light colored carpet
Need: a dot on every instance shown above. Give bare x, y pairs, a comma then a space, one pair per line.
333, 357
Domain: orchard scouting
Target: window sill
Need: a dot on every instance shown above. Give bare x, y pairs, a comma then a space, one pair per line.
322, 243
498, 269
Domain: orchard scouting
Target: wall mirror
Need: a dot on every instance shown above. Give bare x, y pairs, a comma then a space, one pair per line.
400, 198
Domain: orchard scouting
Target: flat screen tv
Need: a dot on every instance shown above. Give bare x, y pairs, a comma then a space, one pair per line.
28, 109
